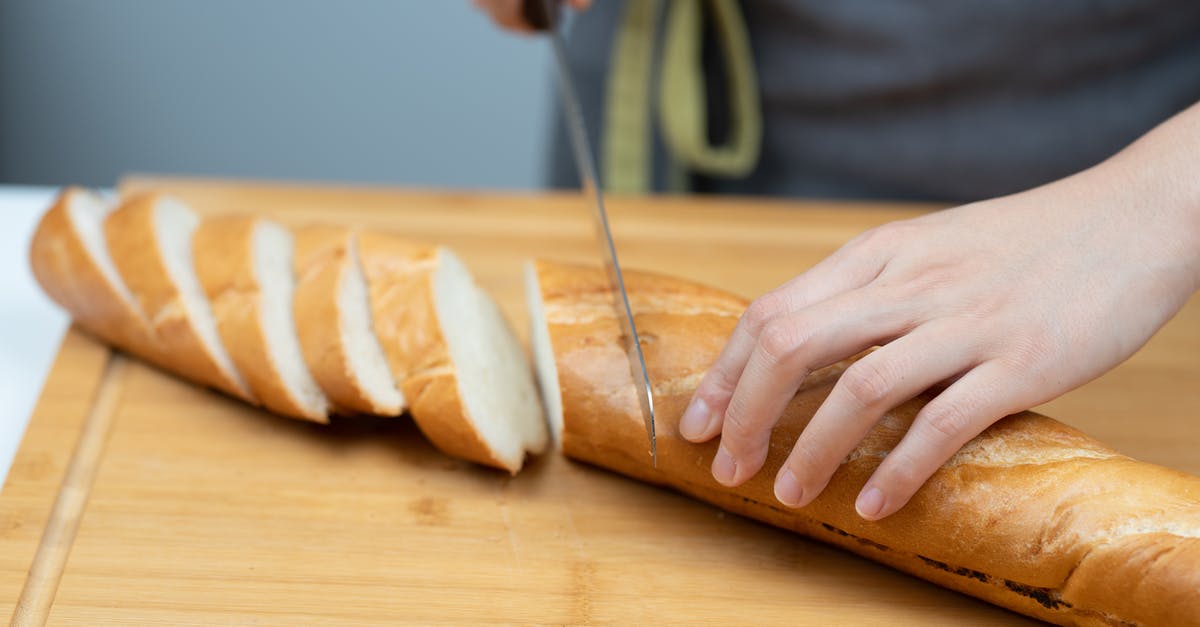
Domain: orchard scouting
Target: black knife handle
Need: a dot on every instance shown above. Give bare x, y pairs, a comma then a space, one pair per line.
540, 14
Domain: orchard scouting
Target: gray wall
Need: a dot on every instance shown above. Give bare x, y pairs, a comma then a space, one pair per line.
421, 92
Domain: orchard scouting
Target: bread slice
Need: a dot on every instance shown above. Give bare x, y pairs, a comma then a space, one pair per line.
543, 354
1031, 515
333, 318
150, 239
70, 260
464, 373
245, 265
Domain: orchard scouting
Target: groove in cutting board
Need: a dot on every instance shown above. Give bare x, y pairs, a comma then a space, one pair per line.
37, 596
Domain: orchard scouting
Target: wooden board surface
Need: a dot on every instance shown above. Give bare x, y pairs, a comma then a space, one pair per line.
200, 510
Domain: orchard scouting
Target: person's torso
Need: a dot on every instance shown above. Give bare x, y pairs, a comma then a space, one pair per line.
944, 99
961, 99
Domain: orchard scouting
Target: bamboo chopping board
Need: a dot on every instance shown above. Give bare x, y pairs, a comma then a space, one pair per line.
180, 506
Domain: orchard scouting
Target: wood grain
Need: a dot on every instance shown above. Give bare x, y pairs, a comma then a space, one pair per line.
37, 596
41, 462
206, 511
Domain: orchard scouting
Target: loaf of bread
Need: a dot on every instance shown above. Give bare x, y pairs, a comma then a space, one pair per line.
289, 320
1031, 515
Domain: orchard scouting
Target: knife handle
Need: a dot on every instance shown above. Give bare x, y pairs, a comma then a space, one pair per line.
540, 14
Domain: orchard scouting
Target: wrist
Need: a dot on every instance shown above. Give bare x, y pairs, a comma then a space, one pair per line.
1154, 181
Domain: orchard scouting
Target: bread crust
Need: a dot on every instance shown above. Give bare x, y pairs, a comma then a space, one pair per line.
137, 253
223, 249
400, 276
322, 259
1032, 515
72, 278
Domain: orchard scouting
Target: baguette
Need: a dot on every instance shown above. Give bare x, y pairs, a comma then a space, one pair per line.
245, 267
150, 240
462, 370
333, 316
286, 319
1031, 515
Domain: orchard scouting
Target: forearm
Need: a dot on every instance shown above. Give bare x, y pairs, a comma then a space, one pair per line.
1158, 176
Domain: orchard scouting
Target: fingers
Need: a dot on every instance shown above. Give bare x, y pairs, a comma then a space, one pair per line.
787, 349
508, 14
958, 414
837, 274
505, 13
871, 386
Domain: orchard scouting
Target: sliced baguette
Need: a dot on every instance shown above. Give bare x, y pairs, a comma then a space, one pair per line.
465, 375
333, 318
217, 310
245, 266
150, 239
70, 260
1031, 515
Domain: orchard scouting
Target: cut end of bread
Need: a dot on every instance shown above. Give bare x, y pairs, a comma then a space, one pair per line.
274, 251
87, 211
363, 352
69, 257
174, 225
543, 353
493, 376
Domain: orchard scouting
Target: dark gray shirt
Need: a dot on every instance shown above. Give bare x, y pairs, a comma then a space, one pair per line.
951, 100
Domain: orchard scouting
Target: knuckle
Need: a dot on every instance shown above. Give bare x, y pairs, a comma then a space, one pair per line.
1029, 350
764, 309
807, 462
933, 276
903, 471
779, 340
742, 448
737, 424
749, 453
743, 437
914, 282
866, 383
757, 314
945, 421
717, 385
874, 237
887, 236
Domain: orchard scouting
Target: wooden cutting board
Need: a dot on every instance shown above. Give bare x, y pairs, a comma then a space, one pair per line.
193, 508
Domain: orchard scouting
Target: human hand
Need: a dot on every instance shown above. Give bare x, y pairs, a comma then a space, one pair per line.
1011, 301
507, 14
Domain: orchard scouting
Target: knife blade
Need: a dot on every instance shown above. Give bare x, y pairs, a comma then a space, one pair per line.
542, 15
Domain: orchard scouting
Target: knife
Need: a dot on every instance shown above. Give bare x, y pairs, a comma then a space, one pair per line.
543, 15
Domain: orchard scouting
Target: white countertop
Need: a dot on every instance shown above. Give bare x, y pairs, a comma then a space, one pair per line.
31, 325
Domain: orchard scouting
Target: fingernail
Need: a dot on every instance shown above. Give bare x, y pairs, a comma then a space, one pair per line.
869, 503
724, 467
696, 419
788, 489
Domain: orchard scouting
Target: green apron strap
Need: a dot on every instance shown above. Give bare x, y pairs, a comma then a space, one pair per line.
628, 154
683, 114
